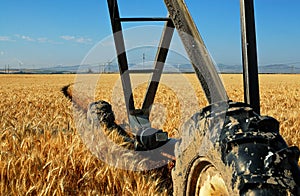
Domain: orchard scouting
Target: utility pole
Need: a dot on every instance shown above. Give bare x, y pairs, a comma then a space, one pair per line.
20, 67
143, 60
100, 65
108, 63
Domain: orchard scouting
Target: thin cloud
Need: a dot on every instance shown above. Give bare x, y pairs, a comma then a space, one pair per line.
39, 39
25, 37
44, 40
6, 39
81, 40
67, 37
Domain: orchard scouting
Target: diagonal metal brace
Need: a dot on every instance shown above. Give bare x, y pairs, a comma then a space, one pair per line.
197, 52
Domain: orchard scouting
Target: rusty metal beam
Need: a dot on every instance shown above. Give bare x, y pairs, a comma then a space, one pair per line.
197, 52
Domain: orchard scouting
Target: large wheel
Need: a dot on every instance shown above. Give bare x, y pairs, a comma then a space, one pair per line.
205, 179
247, 156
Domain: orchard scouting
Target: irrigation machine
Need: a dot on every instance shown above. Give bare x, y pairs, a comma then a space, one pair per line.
227, 146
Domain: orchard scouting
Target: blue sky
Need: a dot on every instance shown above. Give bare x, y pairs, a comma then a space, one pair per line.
44, 33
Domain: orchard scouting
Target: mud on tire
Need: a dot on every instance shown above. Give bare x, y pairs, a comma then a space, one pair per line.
248, 157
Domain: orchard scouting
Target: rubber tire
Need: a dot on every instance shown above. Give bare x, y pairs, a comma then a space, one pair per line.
249, 156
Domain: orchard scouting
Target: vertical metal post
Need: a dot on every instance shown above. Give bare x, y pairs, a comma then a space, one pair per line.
250, 68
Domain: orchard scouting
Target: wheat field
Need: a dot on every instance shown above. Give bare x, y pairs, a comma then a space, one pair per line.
42, 151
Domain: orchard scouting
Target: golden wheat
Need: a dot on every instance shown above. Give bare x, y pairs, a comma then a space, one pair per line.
42, 151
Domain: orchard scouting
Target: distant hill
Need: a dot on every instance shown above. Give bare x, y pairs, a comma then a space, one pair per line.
222, 68
280, 68
183, 68
272, 69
